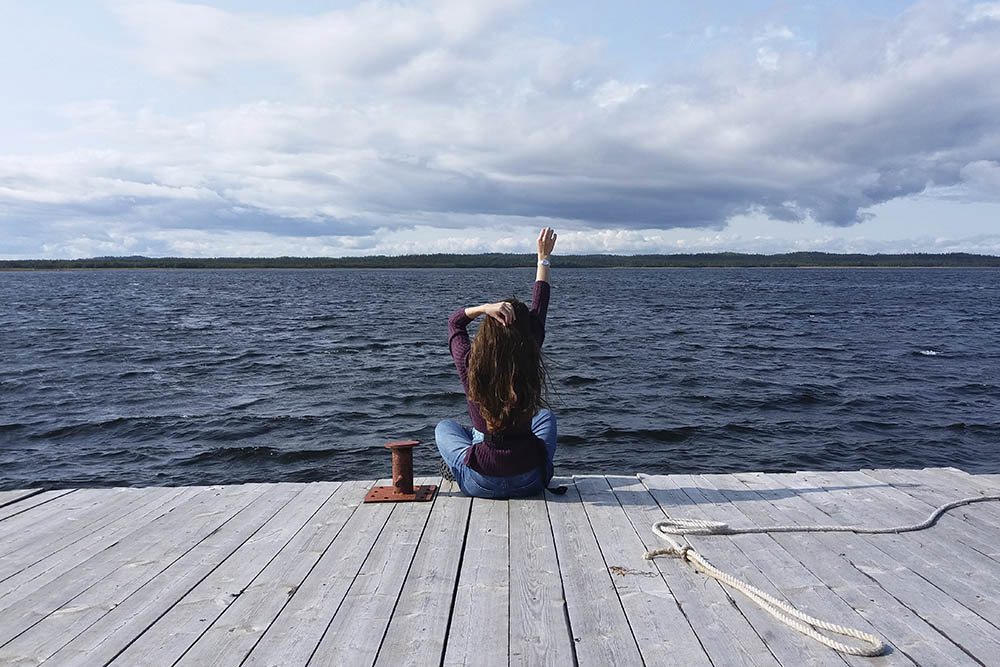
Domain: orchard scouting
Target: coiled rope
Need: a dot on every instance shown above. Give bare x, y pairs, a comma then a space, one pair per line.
784, 612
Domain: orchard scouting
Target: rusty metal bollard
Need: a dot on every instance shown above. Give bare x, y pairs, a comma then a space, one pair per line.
402, 488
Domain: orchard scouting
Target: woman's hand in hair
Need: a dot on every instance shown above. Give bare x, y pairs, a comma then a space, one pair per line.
501, 311
546, 242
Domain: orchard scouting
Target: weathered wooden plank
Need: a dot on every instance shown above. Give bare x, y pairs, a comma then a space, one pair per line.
539, 630
727, 635
184, 604
63, 515
991, 479
168, 537
55, 564
660, 628
44, 539
681, 495
481, 613
357, 629
919, 493
419, 624
596, 617
797, 583
293, 637
234, 633
984, 484
768, 553
872, 555
767, 502
14, 495
37, 500
145, 587
185, 598
941, 560
936, 486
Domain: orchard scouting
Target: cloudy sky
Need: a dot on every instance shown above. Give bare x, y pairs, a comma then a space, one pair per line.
326, 128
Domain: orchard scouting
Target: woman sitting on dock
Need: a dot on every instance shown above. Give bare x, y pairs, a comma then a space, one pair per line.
509, 451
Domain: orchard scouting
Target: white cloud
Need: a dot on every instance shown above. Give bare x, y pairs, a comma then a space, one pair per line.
438, 116
985, 11
982, 180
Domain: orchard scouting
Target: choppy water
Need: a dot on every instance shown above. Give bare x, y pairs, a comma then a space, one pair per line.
187, 377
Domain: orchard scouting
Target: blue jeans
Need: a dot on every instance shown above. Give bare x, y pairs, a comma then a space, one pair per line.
454, 440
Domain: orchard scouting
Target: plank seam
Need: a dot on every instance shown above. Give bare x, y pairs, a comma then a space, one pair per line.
764, 574
347, 592
112, 573
402, 584
889, 557
266, 565
902, 489
562, 586
92, 584
607, 571
509, 587
207, 574
318, 560
62, 495
33, 493
725, 591
917, 613
677, 603
454, 590
138, 507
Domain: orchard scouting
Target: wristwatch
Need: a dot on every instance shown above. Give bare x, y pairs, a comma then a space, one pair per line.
545, 262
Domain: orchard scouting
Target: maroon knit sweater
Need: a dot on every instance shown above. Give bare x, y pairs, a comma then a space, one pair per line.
515, 450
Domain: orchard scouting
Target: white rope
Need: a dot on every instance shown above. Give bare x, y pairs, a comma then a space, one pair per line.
780, 609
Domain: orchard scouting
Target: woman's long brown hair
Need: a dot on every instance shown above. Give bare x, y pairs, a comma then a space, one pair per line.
506, 372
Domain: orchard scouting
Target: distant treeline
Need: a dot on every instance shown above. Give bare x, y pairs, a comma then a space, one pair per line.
501, 260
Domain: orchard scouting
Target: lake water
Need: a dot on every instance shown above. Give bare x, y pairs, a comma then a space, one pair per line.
193, 377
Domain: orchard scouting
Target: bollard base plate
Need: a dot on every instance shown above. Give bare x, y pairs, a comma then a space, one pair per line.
389, 494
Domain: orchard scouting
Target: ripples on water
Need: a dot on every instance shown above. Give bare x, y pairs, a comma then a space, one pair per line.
190, 377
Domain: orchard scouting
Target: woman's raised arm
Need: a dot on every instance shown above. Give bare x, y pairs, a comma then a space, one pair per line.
546, 242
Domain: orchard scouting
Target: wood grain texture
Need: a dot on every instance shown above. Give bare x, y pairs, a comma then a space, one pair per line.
231, 637
936, 487
683, 496
65, 515
977, 526
539, 631
938, 554
875, 556
119, 569
292, 637
296, 574
661, 630
481, 612
35, 501
171, 611
67, 555
769, 554
768, 502
357, 629
709, 609
142, 586
14, 495
597, 619
419, 624
43, 540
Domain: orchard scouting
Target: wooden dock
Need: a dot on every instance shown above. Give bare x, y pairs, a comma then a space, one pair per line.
296, 574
